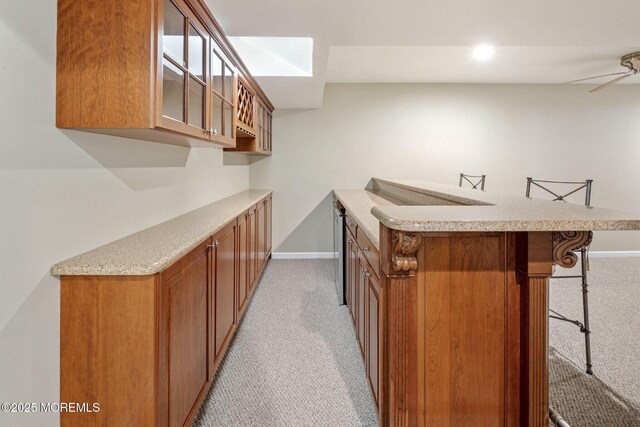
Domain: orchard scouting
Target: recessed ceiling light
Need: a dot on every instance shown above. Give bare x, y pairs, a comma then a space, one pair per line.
483, 52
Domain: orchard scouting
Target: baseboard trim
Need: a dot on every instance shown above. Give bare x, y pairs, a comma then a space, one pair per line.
304, 255
614, 254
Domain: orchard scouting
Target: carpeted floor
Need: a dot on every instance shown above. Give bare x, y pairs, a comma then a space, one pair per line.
611, 397
295, 362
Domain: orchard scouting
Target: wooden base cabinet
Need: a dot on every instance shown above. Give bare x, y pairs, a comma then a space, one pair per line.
146, 348
363, 298
453, 326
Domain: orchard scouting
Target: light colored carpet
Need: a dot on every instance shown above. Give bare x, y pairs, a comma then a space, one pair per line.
611, 397
295, 361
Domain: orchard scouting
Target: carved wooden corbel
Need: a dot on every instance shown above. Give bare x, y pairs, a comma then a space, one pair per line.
565, 243
405, 246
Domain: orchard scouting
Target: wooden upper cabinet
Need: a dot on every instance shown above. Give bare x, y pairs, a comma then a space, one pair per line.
253, 123
246, 110
159, 70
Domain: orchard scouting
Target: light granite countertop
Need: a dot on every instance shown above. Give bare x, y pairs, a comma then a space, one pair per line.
439, 207
484, 211
358, 204
152, 250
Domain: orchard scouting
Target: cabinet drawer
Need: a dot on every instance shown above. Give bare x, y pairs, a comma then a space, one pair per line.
370, 252
351, 225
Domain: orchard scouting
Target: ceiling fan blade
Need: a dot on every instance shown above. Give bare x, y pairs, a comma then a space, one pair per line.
611, 82
597, 77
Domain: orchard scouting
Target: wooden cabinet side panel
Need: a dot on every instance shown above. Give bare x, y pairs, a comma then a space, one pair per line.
109, 349
105, 69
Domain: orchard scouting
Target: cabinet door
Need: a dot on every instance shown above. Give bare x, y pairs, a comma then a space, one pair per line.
269, 132
352, 276
373, 333
243, 262
362, 306
183, 91
268, 225
187, 326
251, 253
224, 289
261, 233
223, 95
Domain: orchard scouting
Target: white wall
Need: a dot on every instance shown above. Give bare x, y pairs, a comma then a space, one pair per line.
64, 192
433, 132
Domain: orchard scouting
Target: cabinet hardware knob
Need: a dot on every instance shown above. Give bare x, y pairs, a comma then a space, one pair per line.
365, 248
366, 272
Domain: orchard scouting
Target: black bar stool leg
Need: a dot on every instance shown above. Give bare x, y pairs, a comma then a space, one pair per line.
585, 308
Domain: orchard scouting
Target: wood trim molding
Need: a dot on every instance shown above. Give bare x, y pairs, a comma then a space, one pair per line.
533, 268
565, 243
405, 246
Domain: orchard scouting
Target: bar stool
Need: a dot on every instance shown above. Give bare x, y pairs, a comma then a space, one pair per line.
480, 180
584, 259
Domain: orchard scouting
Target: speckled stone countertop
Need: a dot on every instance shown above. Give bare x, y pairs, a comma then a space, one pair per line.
439, 207
152, 250
358, 204
484, 211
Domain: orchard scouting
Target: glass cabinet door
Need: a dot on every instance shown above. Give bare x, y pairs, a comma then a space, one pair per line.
222, 96
269, 121
184, 53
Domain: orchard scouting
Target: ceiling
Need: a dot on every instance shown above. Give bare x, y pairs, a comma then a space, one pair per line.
542, 41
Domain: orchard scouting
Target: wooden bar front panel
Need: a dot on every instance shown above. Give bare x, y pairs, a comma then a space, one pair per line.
464, 323
465, 329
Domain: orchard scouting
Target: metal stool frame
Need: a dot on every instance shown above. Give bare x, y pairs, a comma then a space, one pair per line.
584, 261
474, 186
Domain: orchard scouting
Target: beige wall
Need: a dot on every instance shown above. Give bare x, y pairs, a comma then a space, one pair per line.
64, 192
433, 132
